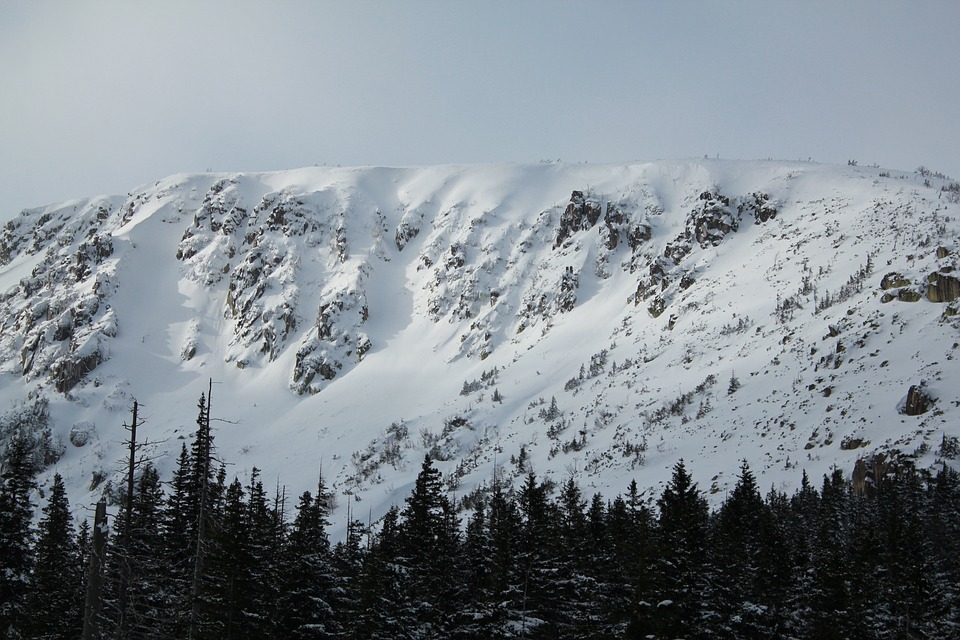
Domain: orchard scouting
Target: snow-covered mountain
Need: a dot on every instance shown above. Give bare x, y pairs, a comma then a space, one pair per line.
600, 321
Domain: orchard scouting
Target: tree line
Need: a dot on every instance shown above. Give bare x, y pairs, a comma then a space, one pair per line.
201, 557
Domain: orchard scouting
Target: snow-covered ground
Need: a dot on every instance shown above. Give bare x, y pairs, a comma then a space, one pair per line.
355, 319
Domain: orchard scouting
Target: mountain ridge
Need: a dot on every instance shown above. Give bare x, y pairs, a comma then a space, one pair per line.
595, 317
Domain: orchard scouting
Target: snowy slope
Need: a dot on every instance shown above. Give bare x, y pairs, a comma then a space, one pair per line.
592, 315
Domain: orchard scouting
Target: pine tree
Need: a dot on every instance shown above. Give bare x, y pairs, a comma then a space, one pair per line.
573, 591
179, 542
81, 562
430, 545
630, 528
54, 597
266, 541
942, 522
137, 556
307, 577
16, 537
536, 556
385, 606
224, 590
506, 570
737, 557
347, 562
477, 618
676, 610
829, 595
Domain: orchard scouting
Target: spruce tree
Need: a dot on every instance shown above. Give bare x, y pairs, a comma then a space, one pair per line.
536, 555
737, 557
477, 617
179, 544
430, 544
507, 570
223, 597
571, 596
631, 543
16, 537
345, 600
387, 608
307, 579
137, 556
265, 539
829, 596
676, 609
54, 596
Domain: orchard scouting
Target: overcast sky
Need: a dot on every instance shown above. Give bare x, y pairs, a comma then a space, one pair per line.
100, 97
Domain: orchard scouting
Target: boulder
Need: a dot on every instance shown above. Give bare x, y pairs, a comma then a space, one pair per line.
918, 402
894, 280
942, 288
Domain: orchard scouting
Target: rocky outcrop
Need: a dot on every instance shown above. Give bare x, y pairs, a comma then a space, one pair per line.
942, 287
711, 220
918, 401
339, 341
894, 280
908, 295
868, 474
657, 307
758, 204
57, 323
581, 214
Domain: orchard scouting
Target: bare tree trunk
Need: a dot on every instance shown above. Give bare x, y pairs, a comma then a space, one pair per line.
93, 602
127, 523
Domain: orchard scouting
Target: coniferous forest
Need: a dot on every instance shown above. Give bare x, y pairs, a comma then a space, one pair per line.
196, 556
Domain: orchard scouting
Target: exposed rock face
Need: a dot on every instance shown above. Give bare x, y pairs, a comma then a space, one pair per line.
613, 220
712, 220
760, 206
657, 307
405, 233
638, 235
867, 474
942, 288
68, 372
58, 321
894, 280
918, 402
581, 214
338, 341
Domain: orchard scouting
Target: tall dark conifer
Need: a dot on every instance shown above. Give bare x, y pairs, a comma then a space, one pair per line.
829, 595
430, 544
179, 544
148, 601
507, 570
536, 556
739, 592
225, 589
56, 587
571, 596
265, 539
16, 537
476, 617
307, 578
345, 601
677, 608
385, 604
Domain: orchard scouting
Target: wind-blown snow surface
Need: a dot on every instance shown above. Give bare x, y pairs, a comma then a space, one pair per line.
359, 318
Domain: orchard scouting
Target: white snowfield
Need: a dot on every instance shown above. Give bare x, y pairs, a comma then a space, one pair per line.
356, 319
